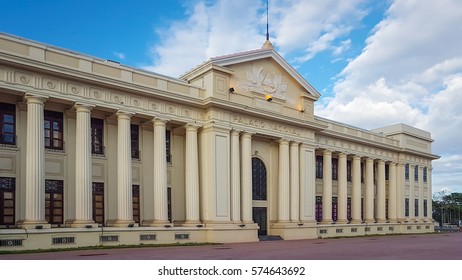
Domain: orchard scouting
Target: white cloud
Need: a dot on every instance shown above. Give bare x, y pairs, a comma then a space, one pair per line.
227, 26
410, 71
119, 55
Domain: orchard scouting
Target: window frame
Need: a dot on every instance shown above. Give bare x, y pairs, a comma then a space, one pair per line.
54, 202
7, 185
335, 169
135, 141
55, 141
319, 167
7, 109
97, 136
98, 190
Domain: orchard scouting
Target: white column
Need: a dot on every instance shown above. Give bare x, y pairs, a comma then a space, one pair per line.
356, 190
307, 184
392, 193
342, 194
400, 186
284, 182
381, 217
294, 182
235, 178
411, 193
192, 175
124, 172
246, 173
369, 197
421, 217
327, 188
35, 163
429, 194
83, 168
160, 173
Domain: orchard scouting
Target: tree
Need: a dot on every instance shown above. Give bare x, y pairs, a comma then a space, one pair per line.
447, 207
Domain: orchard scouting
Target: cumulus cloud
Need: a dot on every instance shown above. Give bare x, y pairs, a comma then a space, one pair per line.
211, 28
410, 71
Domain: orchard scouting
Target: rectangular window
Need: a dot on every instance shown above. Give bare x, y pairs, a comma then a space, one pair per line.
334, 209
416, 173
7, 201
319, 167
349, 171
425, 175
54, 202
136, 203
349, 209
135, 139
54, 136
318, 208
98, 203
363, 172
334, 169
387, 172
425, 208
168, 143
97, 136
362, 209
416, 207
7, 124
406, 207
406, 171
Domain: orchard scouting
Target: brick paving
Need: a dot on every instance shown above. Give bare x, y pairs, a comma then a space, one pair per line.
442, 246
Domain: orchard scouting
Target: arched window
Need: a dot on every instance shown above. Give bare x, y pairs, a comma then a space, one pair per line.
258, 179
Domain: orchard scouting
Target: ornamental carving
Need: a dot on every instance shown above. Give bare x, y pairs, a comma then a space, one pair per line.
262, 81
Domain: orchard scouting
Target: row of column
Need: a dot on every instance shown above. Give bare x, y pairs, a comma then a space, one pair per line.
296, 183
372, 198
35, 174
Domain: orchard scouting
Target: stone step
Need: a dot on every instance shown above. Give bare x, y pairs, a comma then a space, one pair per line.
269, 237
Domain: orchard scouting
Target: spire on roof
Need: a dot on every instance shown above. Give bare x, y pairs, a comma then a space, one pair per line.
267, 44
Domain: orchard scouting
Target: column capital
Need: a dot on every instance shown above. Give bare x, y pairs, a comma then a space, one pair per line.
192, 126
156, 121
283, 141
294, 143
35, 99
342, 155
83, 107
246, 134
124, 115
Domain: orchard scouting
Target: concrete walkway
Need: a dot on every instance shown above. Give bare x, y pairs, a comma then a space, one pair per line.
442, 246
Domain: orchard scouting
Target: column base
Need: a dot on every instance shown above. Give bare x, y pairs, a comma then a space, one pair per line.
121, 223
75, 223
342, 222
327, 221
33, 224
381, 221
369, 221
356, 222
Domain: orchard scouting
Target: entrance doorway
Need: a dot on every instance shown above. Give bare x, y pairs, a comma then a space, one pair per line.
259, 191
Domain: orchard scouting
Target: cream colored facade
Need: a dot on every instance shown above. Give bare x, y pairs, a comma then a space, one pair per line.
230, 151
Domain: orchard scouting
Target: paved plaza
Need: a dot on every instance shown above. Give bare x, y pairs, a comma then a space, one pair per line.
442, 246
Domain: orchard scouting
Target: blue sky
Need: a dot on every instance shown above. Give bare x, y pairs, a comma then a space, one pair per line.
375, 62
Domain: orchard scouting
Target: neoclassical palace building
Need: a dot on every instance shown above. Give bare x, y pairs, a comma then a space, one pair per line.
93, 152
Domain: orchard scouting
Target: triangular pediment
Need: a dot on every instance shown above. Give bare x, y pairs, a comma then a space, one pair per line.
265, 71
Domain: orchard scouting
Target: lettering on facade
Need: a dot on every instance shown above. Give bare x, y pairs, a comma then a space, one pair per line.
264, 125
